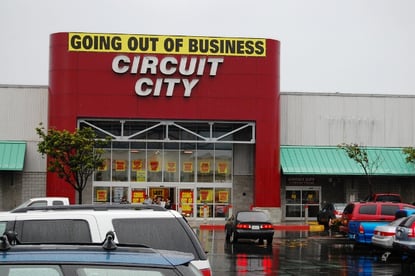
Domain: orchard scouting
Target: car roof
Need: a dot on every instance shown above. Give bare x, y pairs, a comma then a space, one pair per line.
106, 253
114, 210
94, 254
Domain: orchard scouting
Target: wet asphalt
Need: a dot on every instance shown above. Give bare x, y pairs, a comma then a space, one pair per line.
295, 253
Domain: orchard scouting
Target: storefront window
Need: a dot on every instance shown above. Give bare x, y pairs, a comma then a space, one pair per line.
205, 198
120, 165
205, 163
187, 162
138, 165
103, 173
118, 193
222, 202
101, 194
171, 166
186, 202
154, 164
223, 166
138, 195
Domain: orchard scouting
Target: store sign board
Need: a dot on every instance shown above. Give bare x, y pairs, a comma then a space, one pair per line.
167, 74
157, 44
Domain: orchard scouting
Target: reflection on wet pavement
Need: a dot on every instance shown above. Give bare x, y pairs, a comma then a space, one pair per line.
293, 253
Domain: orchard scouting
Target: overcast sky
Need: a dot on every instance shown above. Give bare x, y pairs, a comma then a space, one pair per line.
348, 46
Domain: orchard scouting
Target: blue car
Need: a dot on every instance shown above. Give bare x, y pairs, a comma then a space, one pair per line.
90, 259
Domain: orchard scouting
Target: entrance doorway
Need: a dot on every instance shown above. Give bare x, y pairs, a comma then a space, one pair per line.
302, 202
163, 195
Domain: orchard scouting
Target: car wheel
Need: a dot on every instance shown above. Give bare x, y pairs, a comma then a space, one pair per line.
233, 238
261, 241
269, 241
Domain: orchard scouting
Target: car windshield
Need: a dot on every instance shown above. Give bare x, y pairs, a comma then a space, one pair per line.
252, 216
340, 207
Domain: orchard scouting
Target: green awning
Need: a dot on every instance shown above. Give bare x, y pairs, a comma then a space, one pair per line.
12, 155
314, 160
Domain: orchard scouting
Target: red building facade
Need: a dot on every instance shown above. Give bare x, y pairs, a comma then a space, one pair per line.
214, 93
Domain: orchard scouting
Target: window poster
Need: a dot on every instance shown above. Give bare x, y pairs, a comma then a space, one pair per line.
223, 167
204, 166
186, 197
223, 196
141, 176
137, 165
120, 165
188, 167
154, 166
137, 196
206, 195
171, 166
102, 195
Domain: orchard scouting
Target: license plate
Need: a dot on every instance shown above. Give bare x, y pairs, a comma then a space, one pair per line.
255, 227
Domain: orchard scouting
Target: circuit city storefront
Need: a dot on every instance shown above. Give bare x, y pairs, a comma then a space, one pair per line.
193, 121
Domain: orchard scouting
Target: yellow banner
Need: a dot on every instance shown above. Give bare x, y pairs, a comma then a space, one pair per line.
159, 44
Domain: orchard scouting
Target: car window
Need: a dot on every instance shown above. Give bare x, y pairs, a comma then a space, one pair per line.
158, 233
32, 270
391, 198
367, 210
389, 210
252, 216
408, 221
57, 202
50, 231
3, 226
39, 203
349, 209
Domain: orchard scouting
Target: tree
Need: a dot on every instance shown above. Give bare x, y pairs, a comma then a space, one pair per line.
360, 156
72, 156
410, 155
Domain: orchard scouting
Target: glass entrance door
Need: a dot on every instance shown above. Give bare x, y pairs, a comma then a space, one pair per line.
302, 202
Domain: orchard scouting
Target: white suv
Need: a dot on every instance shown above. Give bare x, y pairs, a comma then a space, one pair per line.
146, 225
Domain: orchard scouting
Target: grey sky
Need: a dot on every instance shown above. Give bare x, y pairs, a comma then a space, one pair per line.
353, 46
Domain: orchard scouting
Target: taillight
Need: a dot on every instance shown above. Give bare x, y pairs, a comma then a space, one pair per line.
206, 272
361, 229
411, 231
266, 226
243, 226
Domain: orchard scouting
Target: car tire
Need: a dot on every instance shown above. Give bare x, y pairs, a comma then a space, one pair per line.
269, 241
233, 238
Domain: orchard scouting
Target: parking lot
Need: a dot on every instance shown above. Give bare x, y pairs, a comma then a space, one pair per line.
294, 253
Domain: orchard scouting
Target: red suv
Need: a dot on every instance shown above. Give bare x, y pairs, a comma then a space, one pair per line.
370, 211
385, 197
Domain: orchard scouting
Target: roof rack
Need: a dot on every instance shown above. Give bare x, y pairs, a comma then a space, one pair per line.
94, 207
9, 239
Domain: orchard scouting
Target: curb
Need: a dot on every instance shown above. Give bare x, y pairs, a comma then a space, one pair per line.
278, 227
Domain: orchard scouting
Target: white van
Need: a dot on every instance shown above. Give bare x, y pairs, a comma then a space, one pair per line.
147, 225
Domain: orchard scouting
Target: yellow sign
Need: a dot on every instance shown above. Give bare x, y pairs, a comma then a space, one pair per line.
102, 195
159, 44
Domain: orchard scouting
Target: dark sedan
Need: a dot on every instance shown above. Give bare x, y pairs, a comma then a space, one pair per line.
249, 225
